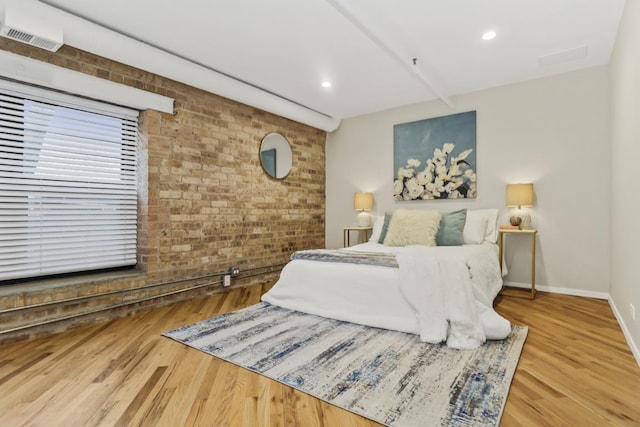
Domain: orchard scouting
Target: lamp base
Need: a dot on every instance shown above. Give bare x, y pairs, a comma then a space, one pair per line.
521, 218
363, 219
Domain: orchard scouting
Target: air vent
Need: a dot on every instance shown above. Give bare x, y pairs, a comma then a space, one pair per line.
563, 56
31, 39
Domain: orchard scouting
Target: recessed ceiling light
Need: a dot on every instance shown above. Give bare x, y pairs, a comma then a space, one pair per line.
326, 84
489, 35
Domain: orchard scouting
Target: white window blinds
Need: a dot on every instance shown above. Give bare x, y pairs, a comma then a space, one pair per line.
67, 183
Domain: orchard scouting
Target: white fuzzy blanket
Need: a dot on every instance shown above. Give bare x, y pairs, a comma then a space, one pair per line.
438, 287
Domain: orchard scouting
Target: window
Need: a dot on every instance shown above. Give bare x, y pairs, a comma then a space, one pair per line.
67, 183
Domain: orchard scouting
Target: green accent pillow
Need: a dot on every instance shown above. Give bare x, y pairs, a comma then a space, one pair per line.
385, 226
451, 228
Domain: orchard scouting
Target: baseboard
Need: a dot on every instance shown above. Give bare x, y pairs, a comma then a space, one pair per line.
589, 294
564, 291
632, 345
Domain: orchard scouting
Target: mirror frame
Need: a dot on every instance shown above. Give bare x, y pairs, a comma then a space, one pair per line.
260, 151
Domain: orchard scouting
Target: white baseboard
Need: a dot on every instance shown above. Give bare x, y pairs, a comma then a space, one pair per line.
632, 345
589, 294
565, 291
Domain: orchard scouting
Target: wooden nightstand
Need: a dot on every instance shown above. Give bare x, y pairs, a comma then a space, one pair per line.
365, 232
528, 232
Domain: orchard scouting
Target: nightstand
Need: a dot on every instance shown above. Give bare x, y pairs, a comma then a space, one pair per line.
364, 232
532, 233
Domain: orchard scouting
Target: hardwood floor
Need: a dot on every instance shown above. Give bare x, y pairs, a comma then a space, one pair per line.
576, 370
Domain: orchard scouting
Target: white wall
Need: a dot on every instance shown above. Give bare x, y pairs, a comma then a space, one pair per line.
625, 160
553, 132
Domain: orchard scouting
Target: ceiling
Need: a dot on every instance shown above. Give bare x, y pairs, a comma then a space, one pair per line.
365, 48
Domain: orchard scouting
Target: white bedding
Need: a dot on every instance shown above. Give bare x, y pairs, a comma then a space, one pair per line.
387, 298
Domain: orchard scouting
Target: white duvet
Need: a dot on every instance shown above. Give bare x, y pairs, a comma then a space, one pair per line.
439, 293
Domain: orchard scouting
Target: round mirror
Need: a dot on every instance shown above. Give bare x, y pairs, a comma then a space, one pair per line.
275, 155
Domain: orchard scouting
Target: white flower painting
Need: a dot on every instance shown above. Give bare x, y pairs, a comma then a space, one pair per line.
435, 158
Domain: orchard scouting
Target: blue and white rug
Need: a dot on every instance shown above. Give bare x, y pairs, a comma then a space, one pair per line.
390, 377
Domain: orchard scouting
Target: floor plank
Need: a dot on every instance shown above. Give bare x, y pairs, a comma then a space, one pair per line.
575, 369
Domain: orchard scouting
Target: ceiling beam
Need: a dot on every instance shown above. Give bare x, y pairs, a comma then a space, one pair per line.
407, 63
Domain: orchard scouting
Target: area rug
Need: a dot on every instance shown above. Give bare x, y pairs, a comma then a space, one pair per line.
390, 377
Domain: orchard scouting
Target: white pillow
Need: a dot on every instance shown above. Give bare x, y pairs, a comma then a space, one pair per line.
413, 227
377, 229
475, 228
491, 234
481, 225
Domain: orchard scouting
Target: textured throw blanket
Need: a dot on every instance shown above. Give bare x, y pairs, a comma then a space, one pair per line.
346, 256
438, 287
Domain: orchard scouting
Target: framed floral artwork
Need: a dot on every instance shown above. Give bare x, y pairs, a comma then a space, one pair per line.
435, 158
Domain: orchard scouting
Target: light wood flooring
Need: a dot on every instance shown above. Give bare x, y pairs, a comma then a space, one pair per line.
576, 370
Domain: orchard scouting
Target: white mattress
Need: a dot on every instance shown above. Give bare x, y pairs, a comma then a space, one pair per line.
370, 295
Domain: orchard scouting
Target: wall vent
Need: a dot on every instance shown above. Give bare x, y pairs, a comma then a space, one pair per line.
563, 56
28, 38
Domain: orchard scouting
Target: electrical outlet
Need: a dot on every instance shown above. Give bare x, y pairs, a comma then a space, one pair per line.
234, 271
633, 311
227, 280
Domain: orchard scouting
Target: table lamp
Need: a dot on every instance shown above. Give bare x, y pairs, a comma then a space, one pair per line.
519, 196
363, 202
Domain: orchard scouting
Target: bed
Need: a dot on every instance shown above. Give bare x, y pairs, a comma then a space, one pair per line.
442, 293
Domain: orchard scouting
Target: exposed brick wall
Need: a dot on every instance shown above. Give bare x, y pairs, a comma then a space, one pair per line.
205, 203
210, 203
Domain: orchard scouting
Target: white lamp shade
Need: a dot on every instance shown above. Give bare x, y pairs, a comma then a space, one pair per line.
519, 195
363, 201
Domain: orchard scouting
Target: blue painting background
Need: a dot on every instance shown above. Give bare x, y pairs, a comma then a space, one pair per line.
417, 140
